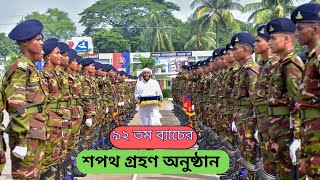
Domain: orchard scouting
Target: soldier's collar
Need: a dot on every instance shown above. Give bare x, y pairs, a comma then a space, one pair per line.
29, 61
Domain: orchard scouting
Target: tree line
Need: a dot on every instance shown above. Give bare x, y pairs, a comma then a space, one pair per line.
149, 25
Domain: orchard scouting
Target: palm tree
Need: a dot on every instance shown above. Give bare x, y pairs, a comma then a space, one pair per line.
215, 13
266, 10
201, 41
145, 63
155, 37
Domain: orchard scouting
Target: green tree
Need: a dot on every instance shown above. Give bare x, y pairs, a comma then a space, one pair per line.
201, 41
265, 10
108, 41
126, 17
57, 24
7, 46
144, 63
216, 14
156, 36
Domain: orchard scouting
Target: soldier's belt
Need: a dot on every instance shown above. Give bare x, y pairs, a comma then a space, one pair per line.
309, 113
57, 105
262, 108
34, 109
278, 111
242, 103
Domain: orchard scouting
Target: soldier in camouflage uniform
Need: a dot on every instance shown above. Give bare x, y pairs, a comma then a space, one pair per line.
52, 148
246, 80
228, 97
219, 92
267, 66
24, 95
283, 89
88, 104
76, 108
214, 90
306, 17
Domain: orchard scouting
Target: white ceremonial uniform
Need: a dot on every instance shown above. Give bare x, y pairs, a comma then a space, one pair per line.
149, 114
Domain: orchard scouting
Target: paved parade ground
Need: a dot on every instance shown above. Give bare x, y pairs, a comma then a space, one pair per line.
168, 118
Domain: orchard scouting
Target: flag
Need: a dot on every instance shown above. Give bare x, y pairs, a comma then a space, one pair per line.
121, 60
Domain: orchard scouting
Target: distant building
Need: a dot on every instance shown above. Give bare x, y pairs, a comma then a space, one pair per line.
170, 62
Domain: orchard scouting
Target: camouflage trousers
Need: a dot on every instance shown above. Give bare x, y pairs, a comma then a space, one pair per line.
279, 129
30, 166
244, 123
54, 138
268, 159
310, 156
77, 118
66, 129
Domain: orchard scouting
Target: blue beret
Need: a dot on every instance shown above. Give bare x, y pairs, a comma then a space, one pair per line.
26, 30
243, 38
198, 64
281, 25
184, 67
223, 51
205, 63
72, 54
194, 66
86, 61
210, 59
217, 52
63, 47
107, 67
229, 47
79, 59
122, 73
263, 33
306, 13
49, 45
97, 65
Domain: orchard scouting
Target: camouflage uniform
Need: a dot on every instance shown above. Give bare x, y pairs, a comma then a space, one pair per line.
88, 109
283, 90
64, 105
228, 99
76, 110
24, 93
260, 101
245, 122
308, 104
54, 123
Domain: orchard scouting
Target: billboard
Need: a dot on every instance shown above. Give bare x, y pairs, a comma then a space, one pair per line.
81, 44
121, 60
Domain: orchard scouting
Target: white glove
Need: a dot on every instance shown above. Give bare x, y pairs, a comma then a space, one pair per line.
234, 127
107, 110
20, 151
89, 122
192, 108
256, 136
119, 104
122, 103
295, 145
128, 100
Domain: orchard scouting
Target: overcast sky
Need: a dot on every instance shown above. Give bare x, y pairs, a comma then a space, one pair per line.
13, 10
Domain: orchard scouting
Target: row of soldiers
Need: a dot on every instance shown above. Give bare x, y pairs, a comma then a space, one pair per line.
52, 109
273, 102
